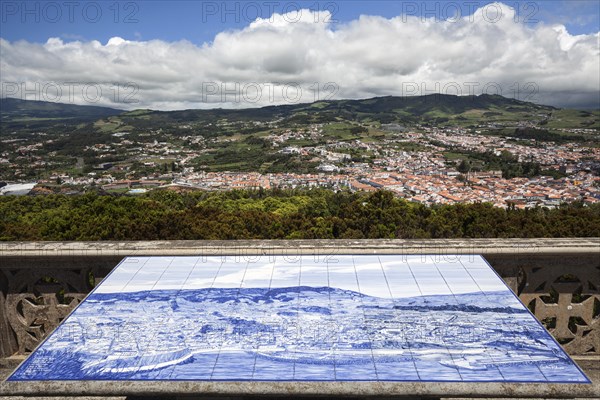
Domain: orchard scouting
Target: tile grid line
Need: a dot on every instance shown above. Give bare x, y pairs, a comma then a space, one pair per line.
237, 296
457, 303
484, 293
210, 289
337, 333
420, 291
155, 324
163, 273
297, 316
264, 319
365, 320
181, 289
132, 276
127, 283
394, 302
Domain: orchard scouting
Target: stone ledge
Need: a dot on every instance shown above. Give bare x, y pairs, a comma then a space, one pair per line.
333, 246
329, 389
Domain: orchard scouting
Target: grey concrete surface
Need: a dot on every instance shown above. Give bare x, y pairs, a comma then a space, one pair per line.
325, 247
312, 389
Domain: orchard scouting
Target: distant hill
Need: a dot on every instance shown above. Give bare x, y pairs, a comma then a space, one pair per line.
431, 109
390, 109
17, 113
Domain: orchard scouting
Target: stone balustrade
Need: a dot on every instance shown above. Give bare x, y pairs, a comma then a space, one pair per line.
558, 279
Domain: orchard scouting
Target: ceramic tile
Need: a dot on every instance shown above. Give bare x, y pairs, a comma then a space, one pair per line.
303, 318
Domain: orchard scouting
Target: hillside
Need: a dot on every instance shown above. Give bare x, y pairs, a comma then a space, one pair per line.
17, 113
431, 109
299, 138
390, 109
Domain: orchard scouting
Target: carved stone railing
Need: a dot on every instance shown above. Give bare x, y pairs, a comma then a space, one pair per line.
558, 279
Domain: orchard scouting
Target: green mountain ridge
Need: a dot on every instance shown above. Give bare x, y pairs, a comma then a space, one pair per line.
383, 109
16, 113
435, 109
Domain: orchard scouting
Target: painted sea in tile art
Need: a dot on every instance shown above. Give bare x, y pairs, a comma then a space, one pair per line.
344, 318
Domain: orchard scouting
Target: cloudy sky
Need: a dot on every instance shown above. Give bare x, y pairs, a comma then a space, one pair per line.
176, 55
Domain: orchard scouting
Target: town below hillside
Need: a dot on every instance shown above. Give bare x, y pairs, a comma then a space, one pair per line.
431, 150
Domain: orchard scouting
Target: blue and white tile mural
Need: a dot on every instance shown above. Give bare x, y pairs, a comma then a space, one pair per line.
373, 318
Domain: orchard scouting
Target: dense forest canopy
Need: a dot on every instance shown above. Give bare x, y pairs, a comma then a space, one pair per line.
277, 214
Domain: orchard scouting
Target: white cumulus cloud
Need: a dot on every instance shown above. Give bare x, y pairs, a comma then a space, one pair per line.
305, 57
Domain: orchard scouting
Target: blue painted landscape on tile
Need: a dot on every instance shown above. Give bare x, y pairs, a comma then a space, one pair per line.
373, 318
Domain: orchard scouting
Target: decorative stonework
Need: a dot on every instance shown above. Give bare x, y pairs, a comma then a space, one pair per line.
37, 301
567, 301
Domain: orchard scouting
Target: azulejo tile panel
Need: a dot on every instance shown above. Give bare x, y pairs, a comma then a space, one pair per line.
302, 318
